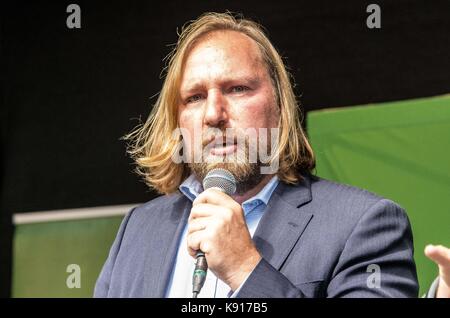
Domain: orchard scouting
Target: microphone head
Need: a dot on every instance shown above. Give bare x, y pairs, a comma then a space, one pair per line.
221, 179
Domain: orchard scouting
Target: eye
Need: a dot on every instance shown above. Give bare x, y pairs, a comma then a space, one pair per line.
239, 89
193, 99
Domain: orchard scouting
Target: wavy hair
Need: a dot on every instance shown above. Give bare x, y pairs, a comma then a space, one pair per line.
152, 143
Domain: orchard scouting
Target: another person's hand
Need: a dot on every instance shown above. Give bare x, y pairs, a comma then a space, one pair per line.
441, 256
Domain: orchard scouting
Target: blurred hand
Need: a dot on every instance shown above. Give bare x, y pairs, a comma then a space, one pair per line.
441, 256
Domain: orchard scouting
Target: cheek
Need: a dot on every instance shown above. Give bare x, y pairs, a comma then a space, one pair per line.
187, 121
258, 112
189, 117
183, 123
182, 118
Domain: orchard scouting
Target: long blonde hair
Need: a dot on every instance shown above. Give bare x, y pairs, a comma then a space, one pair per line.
151, 144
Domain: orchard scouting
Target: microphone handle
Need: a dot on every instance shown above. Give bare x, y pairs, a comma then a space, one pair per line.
199, 276
201, 267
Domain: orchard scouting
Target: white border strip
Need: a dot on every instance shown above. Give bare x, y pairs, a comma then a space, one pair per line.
72, 214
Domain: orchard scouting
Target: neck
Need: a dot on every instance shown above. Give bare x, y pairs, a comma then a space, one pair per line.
252, 192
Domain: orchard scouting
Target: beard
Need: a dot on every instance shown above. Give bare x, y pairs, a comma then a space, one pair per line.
247, 173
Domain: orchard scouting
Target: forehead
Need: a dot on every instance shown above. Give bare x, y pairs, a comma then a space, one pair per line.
223, 52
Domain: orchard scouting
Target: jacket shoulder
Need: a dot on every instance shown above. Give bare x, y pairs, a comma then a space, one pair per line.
157, 207
344, 199
321, 186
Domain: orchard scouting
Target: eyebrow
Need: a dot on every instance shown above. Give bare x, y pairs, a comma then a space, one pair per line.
251, 80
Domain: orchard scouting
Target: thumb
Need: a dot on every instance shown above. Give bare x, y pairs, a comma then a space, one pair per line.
439, 254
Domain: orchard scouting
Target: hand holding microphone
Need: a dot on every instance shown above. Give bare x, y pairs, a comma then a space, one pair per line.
217, 228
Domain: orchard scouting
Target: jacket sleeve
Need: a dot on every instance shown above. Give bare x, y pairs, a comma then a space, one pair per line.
101, 289
431, 293
376, 261
266, 282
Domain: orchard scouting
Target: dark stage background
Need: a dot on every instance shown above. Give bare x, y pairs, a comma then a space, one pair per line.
68, 95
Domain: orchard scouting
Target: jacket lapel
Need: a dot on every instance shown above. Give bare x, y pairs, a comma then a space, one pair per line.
169, 234
283, 222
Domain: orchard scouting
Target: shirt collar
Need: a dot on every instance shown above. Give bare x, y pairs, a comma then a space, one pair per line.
191, 188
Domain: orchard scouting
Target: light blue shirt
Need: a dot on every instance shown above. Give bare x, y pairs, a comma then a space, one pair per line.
180, 284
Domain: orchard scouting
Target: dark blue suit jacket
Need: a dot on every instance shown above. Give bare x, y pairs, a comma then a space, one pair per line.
317, 239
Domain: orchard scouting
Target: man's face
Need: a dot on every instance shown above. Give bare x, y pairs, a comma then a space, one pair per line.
225, 85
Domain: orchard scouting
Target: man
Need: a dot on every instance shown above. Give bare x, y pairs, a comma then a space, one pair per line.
285, 232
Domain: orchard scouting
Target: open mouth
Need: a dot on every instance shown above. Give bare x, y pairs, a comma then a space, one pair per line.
223, 149
221, 146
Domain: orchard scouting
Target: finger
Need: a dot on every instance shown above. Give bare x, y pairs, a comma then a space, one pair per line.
193, 243
214, 196
439, 254
197, 241
198, 224
205, 210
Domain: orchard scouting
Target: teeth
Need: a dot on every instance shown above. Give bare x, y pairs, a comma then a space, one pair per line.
225, 144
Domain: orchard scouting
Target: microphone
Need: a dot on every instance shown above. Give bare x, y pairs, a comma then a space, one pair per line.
224, 181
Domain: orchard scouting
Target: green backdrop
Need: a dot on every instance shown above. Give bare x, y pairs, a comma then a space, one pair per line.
399, 150
43, 251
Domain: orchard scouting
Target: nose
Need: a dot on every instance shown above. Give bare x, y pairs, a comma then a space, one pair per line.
216, 109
